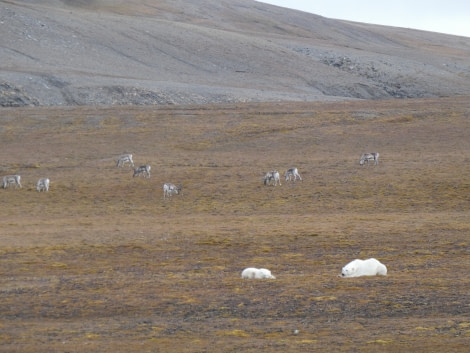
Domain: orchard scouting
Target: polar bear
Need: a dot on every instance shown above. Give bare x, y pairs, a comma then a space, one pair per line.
369, 267
258, 273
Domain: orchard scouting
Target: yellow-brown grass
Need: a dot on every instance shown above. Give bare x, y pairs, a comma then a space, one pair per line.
101, 263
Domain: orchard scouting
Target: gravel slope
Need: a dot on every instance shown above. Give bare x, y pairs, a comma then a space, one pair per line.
181, 52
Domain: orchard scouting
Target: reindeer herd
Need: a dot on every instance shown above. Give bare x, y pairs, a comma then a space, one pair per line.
41, 185
291, 174
271, 178
144, 170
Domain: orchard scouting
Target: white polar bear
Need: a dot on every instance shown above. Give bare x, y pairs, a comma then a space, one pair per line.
258, 273
369, 267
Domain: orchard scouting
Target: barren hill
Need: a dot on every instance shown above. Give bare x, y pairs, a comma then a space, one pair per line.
209, 51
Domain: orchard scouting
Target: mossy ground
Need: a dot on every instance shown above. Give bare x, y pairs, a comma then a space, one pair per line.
101, 263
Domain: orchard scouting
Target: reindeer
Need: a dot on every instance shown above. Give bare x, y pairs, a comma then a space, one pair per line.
43, 184
125, 158
170, 189
292, 173
144, 170
11, 179
366, 157
272, 176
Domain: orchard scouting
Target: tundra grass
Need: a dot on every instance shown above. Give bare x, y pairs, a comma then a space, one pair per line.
102, 263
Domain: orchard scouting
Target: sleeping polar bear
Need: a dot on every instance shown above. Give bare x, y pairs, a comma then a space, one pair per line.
369, 267
258, 273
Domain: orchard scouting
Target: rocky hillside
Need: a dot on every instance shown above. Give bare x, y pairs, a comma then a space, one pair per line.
102, 52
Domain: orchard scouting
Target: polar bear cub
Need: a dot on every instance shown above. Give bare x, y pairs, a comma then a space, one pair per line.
369, 267
258, 273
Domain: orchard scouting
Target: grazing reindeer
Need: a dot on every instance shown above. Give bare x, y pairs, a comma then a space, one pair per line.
144, 170
12, 179
125, 158
292, 172
170, 189
272, 176
366, 157
42, 184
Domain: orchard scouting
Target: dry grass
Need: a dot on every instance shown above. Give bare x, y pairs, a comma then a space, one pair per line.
110, 266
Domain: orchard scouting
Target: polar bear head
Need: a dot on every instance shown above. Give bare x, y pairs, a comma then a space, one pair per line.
264, 273
350, 269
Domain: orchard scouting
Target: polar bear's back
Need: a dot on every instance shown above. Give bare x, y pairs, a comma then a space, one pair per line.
372, 267
381, 268
249, 272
